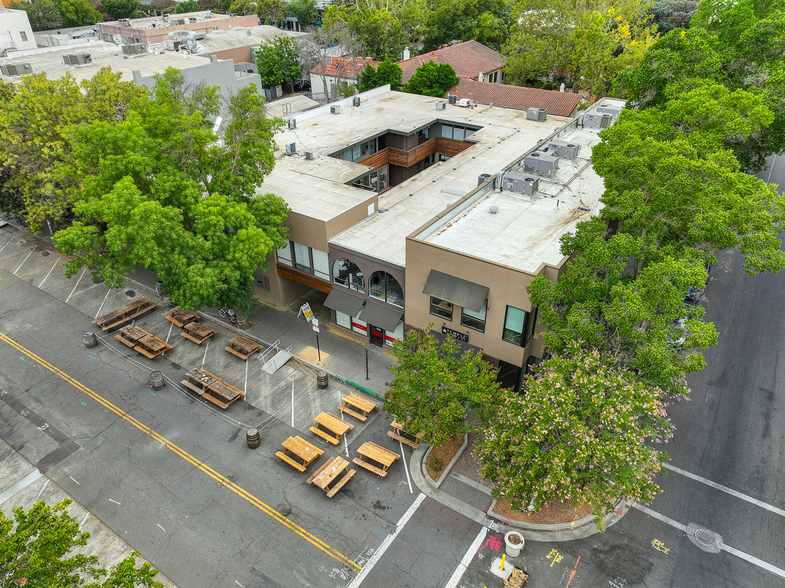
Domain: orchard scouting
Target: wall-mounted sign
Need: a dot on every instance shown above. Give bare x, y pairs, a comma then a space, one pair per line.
464, 337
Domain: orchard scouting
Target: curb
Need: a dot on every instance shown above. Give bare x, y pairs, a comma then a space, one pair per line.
450, 465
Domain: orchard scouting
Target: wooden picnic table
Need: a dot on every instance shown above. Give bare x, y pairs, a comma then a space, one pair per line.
124, 314
142, 342
243, 347
211, 387
301, 449
383, 456
329, 473
197, 332
362, 404
338, 427
181, 317
399, 434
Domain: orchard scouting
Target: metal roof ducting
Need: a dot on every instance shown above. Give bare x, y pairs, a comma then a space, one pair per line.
456, 290
16, 69
538, 114
520, 183
380, 315
340, 300
541, 164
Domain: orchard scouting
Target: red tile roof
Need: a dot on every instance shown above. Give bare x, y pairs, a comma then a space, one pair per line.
556, 103
345, 67
468, 59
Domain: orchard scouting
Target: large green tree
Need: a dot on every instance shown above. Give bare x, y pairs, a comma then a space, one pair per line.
162, 190
278, 62
578, 435
271, 11
77, 13
43, 15
435, 386
304, 11
36, 551
432, 79
589, 42
34, 135
120, 8
486, 21
388, 72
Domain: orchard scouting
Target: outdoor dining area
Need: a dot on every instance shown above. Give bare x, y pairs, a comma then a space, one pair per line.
211, 387
332, 428
243, 347
329, 473
124, 314
142, 342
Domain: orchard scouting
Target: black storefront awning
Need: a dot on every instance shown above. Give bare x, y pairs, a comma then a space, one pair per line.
381, 316
340, 300
456, 290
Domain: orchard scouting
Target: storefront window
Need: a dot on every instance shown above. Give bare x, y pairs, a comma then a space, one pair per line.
384, 287
347, 274
391, 337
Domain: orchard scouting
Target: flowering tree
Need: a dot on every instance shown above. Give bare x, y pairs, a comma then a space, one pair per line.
576, 435
435, 386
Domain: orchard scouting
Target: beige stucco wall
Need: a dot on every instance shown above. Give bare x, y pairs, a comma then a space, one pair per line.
12, 24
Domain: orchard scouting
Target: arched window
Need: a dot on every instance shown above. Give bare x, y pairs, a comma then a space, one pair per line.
347, 274
383, 286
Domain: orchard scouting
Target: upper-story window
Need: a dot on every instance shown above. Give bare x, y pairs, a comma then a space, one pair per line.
383, 286
475, 320
305, 259
347, 274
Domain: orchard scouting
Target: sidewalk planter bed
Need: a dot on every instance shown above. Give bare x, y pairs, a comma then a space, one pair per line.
513, 542
441, 475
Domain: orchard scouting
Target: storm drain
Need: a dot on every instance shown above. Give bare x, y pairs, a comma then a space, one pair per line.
704, 538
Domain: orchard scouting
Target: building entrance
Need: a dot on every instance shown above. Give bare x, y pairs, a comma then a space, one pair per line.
377, 336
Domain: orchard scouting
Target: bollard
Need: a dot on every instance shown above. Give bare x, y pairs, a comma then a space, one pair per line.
504, 557
321, 380
89, 339
252, 438
157, 380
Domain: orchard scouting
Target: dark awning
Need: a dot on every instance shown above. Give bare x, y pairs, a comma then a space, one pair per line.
381, 316
456, 290
340, 300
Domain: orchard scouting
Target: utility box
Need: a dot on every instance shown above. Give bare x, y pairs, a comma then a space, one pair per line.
541, 164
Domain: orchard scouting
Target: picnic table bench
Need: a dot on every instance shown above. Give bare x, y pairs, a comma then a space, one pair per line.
362, 404
399, 434
211, 387
243, 347
329, 473
299, 448
338, 427
197, 332
124, 314
142, 342
181, 317
383, 456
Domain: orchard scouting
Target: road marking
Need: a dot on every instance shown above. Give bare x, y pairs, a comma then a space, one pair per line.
76, 286
727, 490
102, 303
6, 245
406, 468
86, 515
42, 490
169, 334
386, 543
47, 275
467, 558
77, 483
110, 500
733, 551
292, 404
25, 259
204, 357
221, 479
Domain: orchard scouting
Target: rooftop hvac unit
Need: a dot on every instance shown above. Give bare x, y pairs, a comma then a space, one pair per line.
291, 123
356, 101
564, 150
335, 109
538, 114
452, 98
124, 22
608, 108
133, 50
309, 155
77, 58
441, 105
464, 102
520, 183
598, 121
541, 164
191, 19
179, 21
483, 178
291, 148
16, 69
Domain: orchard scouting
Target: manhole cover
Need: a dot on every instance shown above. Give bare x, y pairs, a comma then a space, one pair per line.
130, 293
177, 366
44, 254
704, 536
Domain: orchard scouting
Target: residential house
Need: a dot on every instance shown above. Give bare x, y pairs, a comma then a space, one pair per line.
334, 71
469, 59
15, 31
555, 103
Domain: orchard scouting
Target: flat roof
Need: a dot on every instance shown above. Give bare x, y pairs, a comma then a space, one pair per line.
222, 40
523, 232
305, 184
103, 54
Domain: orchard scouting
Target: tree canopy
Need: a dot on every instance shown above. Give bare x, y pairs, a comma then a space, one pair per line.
278, 62
187, 6
304, 11
432, 79
388, 72
435, 386
486, 21
378, 29
160, 189
121, 8
36, 551
52, 14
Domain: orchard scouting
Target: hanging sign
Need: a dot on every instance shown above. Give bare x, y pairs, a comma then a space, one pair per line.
463, 337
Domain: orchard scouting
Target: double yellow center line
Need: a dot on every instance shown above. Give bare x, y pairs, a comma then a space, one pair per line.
189, 458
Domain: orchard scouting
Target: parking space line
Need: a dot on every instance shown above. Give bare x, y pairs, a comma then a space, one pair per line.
47, 275
25, 259
725, 489
102, 303
732, 550
204, 357
406, 468
6, 245
467, 559
76, 285
169, 334
386, 543
221, 479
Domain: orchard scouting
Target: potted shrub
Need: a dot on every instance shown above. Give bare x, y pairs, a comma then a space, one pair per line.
514, 543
